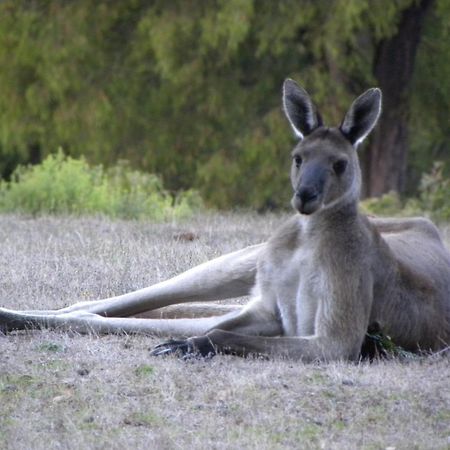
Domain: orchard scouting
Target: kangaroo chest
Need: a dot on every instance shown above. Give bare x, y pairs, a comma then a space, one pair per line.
299, 287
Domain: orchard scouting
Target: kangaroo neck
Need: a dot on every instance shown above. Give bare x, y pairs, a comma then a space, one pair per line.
332, 220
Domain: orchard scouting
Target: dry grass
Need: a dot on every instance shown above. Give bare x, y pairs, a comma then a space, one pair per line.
60, 391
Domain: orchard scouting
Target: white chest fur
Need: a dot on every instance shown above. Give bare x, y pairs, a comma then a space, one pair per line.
297, 286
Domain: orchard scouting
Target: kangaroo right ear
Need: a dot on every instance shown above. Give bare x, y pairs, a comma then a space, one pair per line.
299, 109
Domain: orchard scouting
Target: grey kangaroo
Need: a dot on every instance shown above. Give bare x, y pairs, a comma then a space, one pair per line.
319, 282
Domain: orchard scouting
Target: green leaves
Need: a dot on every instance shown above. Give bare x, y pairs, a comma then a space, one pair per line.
191, 90
63, 185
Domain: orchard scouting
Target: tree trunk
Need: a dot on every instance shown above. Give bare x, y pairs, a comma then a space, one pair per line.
384, 160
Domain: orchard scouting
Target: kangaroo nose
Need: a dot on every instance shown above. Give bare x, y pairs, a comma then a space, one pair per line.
306, 194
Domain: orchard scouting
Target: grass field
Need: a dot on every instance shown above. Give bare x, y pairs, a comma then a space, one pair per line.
61, 391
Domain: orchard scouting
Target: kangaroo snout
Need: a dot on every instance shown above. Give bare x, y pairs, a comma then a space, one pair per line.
306, 199
307, 194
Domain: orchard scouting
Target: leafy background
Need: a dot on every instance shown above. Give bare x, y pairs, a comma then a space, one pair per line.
191, 90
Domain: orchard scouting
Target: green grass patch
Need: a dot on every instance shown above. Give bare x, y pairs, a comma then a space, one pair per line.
10, 383
51, 347
144, 419
144, 371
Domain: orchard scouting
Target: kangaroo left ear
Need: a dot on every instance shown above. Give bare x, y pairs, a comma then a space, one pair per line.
362, 116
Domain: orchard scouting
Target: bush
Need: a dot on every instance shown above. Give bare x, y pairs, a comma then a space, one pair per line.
433, 199
434, 193
386, 205
63, 185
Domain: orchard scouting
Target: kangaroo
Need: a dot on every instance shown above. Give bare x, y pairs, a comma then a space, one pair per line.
323, 278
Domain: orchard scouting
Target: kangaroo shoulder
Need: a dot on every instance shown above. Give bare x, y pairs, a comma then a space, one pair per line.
287, 236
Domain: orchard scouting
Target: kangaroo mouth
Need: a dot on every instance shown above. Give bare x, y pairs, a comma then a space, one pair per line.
306, 207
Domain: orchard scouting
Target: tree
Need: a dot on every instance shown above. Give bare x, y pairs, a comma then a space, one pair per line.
386, 158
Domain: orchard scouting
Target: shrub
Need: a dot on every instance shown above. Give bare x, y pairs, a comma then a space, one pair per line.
63, 185
433, 199
386, 205
434, 193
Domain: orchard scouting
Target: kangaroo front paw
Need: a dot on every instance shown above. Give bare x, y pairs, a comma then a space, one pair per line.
189, 348
177, 347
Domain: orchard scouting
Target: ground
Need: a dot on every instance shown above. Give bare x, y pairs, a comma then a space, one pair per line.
70, 391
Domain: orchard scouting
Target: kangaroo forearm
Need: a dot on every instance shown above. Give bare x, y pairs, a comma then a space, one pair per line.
306, 349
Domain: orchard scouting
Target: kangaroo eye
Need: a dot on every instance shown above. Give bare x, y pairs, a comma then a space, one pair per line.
297, 161
340, 166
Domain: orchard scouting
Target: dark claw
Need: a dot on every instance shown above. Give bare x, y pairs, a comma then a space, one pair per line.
173, 347
198, 347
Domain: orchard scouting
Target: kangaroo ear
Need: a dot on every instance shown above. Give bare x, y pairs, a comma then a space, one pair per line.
299, 109
362, 116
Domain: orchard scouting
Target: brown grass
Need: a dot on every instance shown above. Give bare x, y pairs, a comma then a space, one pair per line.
69, 391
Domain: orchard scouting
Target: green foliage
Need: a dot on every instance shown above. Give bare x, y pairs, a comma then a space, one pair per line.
387, 205
258, 174
434, 193
191, 90
433, 199
383, 347
64, 185
430, 127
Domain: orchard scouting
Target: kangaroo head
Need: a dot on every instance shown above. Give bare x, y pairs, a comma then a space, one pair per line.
325, 169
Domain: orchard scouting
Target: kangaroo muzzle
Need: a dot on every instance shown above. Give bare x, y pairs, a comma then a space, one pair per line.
307, 200
309, 192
